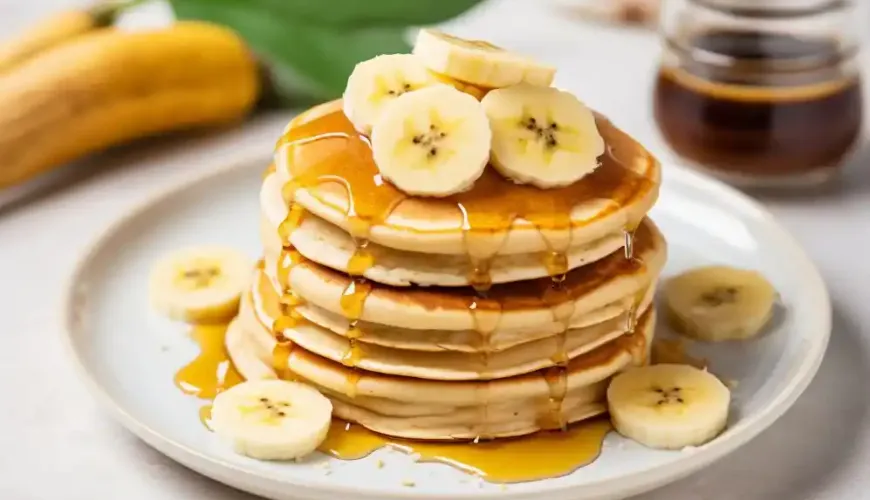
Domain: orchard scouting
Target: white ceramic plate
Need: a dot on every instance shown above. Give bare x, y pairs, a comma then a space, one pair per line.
128, 355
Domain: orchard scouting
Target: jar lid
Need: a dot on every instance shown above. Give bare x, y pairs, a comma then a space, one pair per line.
755, 8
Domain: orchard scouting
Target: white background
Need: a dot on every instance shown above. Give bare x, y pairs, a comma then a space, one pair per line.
57, 444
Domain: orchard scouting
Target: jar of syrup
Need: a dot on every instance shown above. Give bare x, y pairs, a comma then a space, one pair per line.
761, 93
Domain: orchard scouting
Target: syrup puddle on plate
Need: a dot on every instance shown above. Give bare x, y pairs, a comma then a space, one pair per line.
543, 455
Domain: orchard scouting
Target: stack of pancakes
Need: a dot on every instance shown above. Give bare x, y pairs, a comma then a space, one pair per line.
491, 313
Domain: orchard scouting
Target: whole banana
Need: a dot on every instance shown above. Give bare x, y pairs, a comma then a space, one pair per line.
54, 30
106, 87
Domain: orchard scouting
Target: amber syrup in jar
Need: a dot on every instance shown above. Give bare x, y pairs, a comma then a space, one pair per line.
757, 106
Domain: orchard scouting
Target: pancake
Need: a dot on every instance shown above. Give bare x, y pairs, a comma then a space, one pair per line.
434, 410
266, 298
330, 172
582, 371
523, 358
330, 246
520, 304
459, 340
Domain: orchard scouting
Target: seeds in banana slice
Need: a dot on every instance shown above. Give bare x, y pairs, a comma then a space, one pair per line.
718, 303
542, 136
377, 82
668, 406
432, 142
200, 285
272, 419
478, 62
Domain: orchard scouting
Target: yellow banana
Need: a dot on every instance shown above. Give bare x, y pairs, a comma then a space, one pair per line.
108, 87
51, 31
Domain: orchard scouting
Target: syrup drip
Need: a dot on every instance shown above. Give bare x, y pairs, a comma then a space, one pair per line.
289, 258
540, 456
486, 316
557, 265
562, 305
352, 304
362, 259
557, 381
353, 383
292, 222
629, 243
637, 299
211, 372
289, 300
281, 358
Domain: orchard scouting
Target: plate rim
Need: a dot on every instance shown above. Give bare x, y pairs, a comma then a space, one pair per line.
659, 475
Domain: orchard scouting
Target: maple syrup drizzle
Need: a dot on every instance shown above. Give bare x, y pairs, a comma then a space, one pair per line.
211, 371
539, 456
281, 358
558, 299
638, 297
562, 306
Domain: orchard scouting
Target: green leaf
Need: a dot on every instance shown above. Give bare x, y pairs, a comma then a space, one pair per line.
361, 13
304, 60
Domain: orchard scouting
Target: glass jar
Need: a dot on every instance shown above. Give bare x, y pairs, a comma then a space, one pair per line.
760, 93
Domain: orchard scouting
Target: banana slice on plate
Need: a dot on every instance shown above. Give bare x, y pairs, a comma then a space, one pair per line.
718, 303
377, 82
541, 135
432, 142
477, 62
668, 406
200, 285
272, 419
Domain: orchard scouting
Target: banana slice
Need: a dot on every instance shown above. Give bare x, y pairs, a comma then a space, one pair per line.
377, 82
432, 142
541, 135
473, 90
668, 406
478, 62
200, 285
718, 303
272, 419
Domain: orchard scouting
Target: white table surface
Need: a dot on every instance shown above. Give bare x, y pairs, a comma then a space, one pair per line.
57, 444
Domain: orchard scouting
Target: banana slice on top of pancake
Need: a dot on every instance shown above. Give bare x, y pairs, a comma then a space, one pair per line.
377, 82
432, 142
718, 303
668, 406
272, 419
477, 62
542, 136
